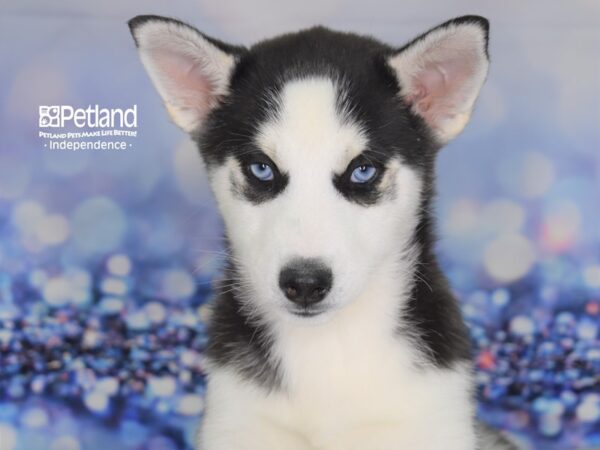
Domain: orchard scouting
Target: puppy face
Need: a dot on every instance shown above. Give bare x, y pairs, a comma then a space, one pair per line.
319, 146
312, 187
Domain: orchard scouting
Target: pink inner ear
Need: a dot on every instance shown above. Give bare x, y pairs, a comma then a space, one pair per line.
187, 84
440, 88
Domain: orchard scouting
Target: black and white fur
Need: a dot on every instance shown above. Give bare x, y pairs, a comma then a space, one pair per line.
382, 362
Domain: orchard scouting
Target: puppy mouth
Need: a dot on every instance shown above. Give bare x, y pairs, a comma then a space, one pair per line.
307, 312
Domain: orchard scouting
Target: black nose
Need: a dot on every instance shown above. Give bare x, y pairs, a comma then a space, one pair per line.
305, 281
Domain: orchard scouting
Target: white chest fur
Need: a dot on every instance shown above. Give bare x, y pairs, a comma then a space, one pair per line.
351, 383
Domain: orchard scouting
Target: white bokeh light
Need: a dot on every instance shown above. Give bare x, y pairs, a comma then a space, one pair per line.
96, 401
164, 386
527, 175
53, 229
178, 284
190, 405
156, 312
35, 418
522, 326
108, 385
537, 175
119, 265
591, 276
57, 291
508, 257
588, 410
26, 214
114, 286
9, 438
65, 442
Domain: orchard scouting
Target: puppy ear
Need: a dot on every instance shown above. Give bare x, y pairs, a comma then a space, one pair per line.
190, 71
441, 72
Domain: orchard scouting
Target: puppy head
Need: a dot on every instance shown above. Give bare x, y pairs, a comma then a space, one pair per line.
319, 146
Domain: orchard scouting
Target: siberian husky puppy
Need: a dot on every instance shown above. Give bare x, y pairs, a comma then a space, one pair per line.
335, 328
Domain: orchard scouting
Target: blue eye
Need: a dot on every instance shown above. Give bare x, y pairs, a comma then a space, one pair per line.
363, 174
262, 171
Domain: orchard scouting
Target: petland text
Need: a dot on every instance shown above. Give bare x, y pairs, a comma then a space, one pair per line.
91, 117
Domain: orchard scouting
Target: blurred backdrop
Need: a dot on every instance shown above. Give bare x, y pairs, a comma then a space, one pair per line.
106, 256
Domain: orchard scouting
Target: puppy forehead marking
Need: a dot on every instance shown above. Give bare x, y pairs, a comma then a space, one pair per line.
310, 122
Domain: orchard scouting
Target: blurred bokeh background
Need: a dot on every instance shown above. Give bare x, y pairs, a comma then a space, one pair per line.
106, 257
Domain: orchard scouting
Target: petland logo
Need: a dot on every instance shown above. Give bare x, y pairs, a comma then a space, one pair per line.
93, 128
90, 117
